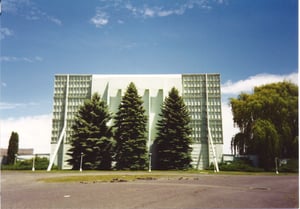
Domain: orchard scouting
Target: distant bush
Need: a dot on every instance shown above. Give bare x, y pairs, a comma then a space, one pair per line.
237, 165
246, 165
291, 166
40, 164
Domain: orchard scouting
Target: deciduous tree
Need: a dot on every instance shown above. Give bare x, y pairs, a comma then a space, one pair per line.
268, 122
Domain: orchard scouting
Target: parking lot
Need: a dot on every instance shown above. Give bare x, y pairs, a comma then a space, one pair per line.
23, 190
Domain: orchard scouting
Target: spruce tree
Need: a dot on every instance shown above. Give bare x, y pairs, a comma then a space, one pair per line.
13, 147
92, 137
130, 124
172, 149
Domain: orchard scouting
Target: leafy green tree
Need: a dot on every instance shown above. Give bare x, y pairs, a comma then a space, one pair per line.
13, 147
92, 136
268, 122
172, 145
265, 142
130, 124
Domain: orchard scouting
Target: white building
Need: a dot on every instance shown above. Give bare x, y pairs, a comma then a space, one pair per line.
201, 93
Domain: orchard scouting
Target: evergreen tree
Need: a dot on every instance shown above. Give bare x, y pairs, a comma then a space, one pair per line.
92, 137
172, 145
130, 124
13, 148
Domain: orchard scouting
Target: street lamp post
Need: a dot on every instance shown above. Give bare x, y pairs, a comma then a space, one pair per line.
81, 156
276, 165
150, 161
33, 163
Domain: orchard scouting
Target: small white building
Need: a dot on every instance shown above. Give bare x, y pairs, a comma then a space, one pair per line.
201, 93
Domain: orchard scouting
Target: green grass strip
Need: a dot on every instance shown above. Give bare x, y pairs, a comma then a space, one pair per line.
100, 178
120, 176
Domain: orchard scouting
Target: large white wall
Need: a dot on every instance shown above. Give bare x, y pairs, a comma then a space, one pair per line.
142, 83
152, 88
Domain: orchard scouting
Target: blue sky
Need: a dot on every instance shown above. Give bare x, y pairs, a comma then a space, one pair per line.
246, 41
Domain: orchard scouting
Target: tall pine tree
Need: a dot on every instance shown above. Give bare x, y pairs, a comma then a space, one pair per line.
130, 124
13, 147
92, 136
172, 149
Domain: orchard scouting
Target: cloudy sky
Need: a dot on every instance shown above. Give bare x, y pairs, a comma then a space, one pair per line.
249, 42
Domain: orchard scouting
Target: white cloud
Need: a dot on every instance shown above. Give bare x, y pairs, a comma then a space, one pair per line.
26, 59
221, 1
110, 9
37, 58
13, 6
131, 8
248, 84
100, 19
8, 59
149, 12
155, 11
6, 105
120, 21
55, 20
28, 10
20, 59
179, 9
164, 13
34, 132
4, 32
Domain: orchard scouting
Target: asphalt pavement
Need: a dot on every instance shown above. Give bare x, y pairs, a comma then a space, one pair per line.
23, 190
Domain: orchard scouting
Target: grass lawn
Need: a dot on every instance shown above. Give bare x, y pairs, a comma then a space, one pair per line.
122, 176
100, 178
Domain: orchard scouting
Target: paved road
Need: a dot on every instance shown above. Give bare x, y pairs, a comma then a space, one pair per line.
22, 190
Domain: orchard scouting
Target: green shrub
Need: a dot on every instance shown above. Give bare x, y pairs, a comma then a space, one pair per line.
291, 166
237, 165
40, 164
246, 165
